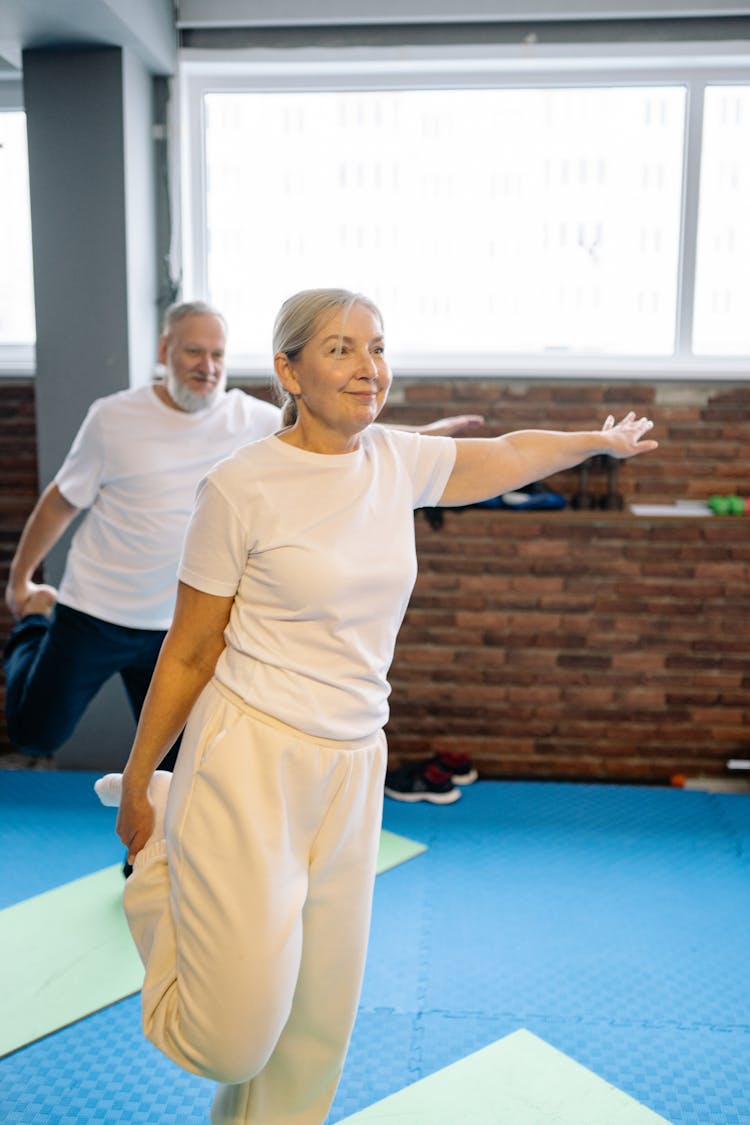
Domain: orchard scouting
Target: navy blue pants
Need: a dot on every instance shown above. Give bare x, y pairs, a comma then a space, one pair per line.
54, 666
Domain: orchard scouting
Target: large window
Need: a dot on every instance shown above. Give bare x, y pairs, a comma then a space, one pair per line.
542, 223
17, 329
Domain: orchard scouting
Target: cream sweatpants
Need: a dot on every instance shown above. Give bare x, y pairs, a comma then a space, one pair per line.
252, 916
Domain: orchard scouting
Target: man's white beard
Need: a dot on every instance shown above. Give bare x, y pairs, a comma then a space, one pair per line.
188, 400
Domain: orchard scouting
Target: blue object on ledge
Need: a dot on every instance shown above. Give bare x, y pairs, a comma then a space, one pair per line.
534, 498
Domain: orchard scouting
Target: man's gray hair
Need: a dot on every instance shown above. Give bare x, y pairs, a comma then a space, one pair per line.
181, 309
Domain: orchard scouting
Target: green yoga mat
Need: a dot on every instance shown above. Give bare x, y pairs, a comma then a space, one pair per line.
396, 849
68, 952
519, 1080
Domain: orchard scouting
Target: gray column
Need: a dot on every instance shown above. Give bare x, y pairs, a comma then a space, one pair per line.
91, 179
92, 214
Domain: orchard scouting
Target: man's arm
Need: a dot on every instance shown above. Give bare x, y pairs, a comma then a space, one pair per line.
51, 516
444, 427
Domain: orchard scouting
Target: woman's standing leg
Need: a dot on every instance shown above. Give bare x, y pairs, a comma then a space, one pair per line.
298, 1083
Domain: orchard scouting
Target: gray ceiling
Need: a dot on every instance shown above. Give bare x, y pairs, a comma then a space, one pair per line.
147, 27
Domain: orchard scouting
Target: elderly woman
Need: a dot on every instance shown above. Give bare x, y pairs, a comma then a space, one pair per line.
251, 893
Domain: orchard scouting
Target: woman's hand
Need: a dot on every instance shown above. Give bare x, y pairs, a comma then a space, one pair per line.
624, 438
135, 819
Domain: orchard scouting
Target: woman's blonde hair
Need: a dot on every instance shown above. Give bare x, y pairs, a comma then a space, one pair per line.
298, 321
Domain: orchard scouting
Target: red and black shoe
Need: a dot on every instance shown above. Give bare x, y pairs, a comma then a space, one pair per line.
421, 781
459, 766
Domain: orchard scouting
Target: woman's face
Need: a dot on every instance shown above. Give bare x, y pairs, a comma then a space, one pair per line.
342, 376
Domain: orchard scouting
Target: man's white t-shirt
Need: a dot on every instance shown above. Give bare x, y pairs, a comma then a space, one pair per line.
136, 464
319, 553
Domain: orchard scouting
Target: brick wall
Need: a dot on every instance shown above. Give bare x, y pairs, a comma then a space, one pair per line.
561, 644
576, 645
585, 644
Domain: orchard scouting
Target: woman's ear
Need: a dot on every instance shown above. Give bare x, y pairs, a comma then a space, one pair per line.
284, 369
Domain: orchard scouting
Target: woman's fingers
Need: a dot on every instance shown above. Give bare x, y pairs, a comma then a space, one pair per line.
629, 422
628, 434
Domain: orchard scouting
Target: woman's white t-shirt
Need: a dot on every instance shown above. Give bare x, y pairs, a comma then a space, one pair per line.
319, 552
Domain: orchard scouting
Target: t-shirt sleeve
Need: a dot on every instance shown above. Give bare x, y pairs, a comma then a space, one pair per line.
215, 549
80, 476
264, 419
429, 460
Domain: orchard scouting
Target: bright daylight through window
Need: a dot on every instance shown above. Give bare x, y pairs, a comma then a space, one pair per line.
484, 222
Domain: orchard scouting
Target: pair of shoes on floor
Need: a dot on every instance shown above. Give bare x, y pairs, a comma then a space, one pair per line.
436, 780
17, 760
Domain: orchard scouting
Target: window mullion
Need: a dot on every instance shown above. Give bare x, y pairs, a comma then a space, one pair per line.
696, 89
194, 220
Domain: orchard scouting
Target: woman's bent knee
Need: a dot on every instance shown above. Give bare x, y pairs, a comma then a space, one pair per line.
220, 1061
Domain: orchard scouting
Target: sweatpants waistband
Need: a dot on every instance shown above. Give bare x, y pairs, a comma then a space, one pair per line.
293, 732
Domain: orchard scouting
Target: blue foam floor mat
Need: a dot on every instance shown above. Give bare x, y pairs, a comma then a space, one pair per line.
612, 922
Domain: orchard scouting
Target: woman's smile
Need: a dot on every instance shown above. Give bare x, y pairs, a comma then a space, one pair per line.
346, 357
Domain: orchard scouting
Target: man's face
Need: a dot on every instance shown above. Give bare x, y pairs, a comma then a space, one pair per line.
193, 358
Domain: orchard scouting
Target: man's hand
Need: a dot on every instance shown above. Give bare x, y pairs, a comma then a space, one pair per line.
23, 598
448, 427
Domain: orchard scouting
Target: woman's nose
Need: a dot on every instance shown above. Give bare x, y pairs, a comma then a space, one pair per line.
368, 366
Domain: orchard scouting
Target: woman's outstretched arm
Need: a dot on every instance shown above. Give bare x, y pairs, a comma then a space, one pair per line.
486, 467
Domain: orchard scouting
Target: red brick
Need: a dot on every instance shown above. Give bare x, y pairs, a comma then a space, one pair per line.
723, 716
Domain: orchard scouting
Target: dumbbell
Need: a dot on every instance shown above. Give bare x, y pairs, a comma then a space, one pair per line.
729, 505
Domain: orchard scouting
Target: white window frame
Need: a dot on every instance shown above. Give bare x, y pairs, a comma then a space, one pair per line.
16, 360
528, 65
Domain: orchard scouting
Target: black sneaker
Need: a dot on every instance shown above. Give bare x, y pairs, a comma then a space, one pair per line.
459, 766
17, 760
421, 781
